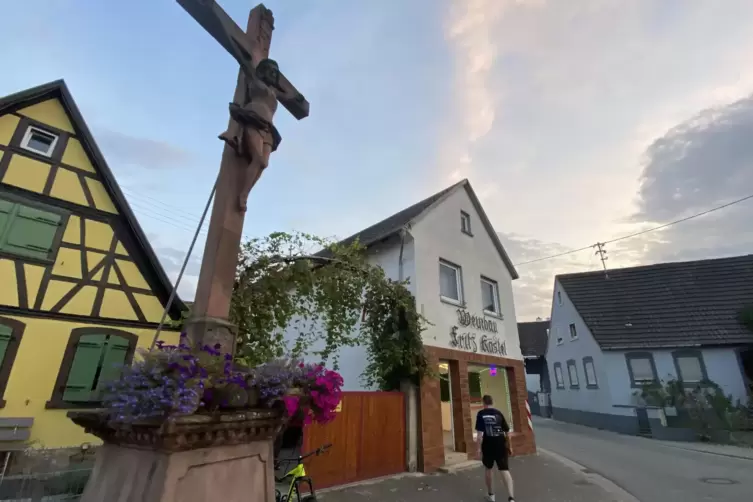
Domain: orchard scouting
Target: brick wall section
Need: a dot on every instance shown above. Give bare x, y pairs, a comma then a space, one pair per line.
431, 453
461, 409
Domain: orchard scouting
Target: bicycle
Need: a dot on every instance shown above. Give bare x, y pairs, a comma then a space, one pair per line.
297, 476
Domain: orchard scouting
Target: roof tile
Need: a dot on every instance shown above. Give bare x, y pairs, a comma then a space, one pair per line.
666, 305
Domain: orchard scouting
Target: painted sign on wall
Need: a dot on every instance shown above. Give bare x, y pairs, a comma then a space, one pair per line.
468, 320
489, 344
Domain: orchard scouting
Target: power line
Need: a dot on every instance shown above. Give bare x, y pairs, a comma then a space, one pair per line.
141, 195
675, 222
168, 215
554, 255
602, 255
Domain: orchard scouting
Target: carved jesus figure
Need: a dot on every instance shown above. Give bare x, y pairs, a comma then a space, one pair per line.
252, 134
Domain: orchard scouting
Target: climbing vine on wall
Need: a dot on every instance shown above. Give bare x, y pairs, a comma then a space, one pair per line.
289, 301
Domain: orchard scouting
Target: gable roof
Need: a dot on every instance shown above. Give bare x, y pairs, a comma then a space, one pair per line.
58, 90
394, 224
680, 304
534, 337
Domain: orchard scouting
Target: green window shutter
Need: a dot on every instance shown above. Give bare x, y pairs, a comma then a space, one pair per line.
6, 212
32, 233
116, 351
6, 335
80, 384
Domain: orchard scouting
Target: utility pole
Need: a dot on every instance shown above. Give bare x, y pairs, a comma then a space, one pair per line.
602, 252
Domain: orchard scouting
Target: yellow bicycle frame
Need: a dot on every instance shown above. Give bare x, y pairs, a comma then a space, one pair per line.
299, 471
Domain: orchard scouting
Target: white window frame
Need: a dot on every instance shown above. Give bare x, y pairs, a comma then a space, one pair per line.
647, 356
495, 295
573, 330
458, 278
559, 298
689, 354
30, 132
559, 378
572, 364
559, 339
586, 363
465, 223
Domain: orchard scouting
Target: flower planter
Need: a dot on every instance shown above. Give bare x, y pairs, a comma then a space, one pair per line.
184, 432
194, 458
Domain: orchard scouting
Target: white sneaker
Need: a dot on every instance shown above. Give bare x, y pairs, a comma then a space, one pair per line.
490, 498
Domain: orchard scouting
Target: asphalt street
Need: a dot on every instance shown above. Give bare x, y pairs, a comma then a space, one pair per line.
538, 478
652, 471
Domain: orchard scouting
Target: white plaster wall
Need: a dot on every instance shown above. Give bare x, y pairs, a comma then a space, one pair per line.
353, 360
585, 399
437, 235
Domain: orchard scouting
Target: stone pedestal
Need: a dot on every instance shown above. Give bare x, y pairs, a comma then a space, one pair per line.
227, 457
210, 331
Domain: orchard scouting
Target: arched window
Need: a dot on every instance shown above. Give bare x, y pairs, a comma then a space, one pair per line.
93, 357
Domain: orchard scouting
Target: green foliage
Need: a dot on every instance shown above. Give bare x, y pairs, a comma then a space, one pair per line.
280, 284
705, 405
671, 393
178, 323
392, 332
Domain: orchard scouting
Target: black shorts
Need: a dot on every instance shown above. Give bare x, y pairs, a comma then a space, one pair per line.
492, 453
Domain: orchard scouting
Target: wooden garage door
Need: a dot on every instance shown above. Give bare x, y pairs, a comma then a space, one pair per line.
368, 438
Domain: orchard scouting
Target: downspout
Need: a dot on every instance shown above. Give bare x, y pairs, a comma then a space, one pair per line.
410, 391
400, 274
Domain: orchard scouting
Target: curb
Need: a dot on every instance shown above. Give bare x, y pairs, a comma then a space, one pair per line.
720, 454
461, 466
371, 481
597, 479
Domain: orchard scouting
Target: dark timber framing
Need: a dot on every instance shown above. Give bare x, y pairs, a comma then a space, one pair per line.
125, 224
10, 353
108, 260
56, 401
76, 318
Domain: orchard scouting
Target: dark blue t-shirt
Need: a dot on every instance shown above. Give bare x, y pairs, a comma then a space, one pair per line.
492, 423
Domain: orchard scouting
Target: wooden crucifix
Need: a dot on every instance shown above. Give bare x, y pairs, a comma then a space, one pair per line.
249, 140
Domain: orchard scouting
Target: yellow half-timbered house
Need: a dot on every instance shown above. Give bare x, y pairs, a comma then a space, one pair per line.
80, 286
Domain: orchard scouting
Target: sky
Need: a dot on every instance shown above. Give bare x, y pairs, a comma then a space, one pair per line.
576, 121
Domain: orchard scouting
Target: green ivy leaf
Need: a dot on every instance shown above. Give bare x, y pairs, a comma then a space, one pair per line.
331, 302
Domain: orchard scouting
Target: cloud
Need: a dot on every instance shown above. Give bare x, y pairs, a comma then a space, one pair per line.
172, 261
472, 32
699, 164
142, 152
533, 290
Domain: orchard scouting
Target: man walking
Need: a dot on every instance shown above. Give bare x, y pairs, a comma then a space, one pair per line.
494, 446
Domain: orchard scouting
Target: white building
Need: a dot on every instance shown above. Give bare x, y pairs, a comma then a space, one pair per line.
461, 278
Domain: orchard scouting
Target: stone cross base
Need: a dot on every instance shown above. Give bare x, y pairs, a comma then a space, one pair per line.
231, 473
